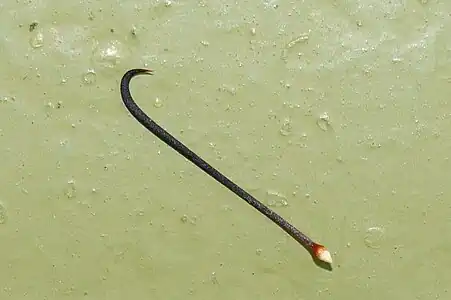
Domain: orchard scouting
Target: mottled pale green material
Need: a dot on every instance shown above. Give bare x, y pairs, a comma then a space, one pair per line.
336, 114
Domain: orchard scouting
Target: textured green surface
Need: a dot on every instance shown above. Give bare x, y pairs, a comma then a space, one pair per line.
336, 114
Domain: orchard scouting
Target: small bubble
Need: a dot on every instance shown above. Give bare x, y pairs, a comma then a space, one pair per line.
253, 31
2, 213
157, 103
272, 115
186, 219
37, 40
229, 89
374, 145
374, 237
70, 190
396, 59
323, 121
226, 208
89, 77
286, 127
134, 30
214, 279
7, 99
110, 54
275, 198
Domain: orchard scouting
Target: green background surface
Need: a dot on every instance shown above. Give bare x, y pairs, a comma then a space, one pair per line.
334, 113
